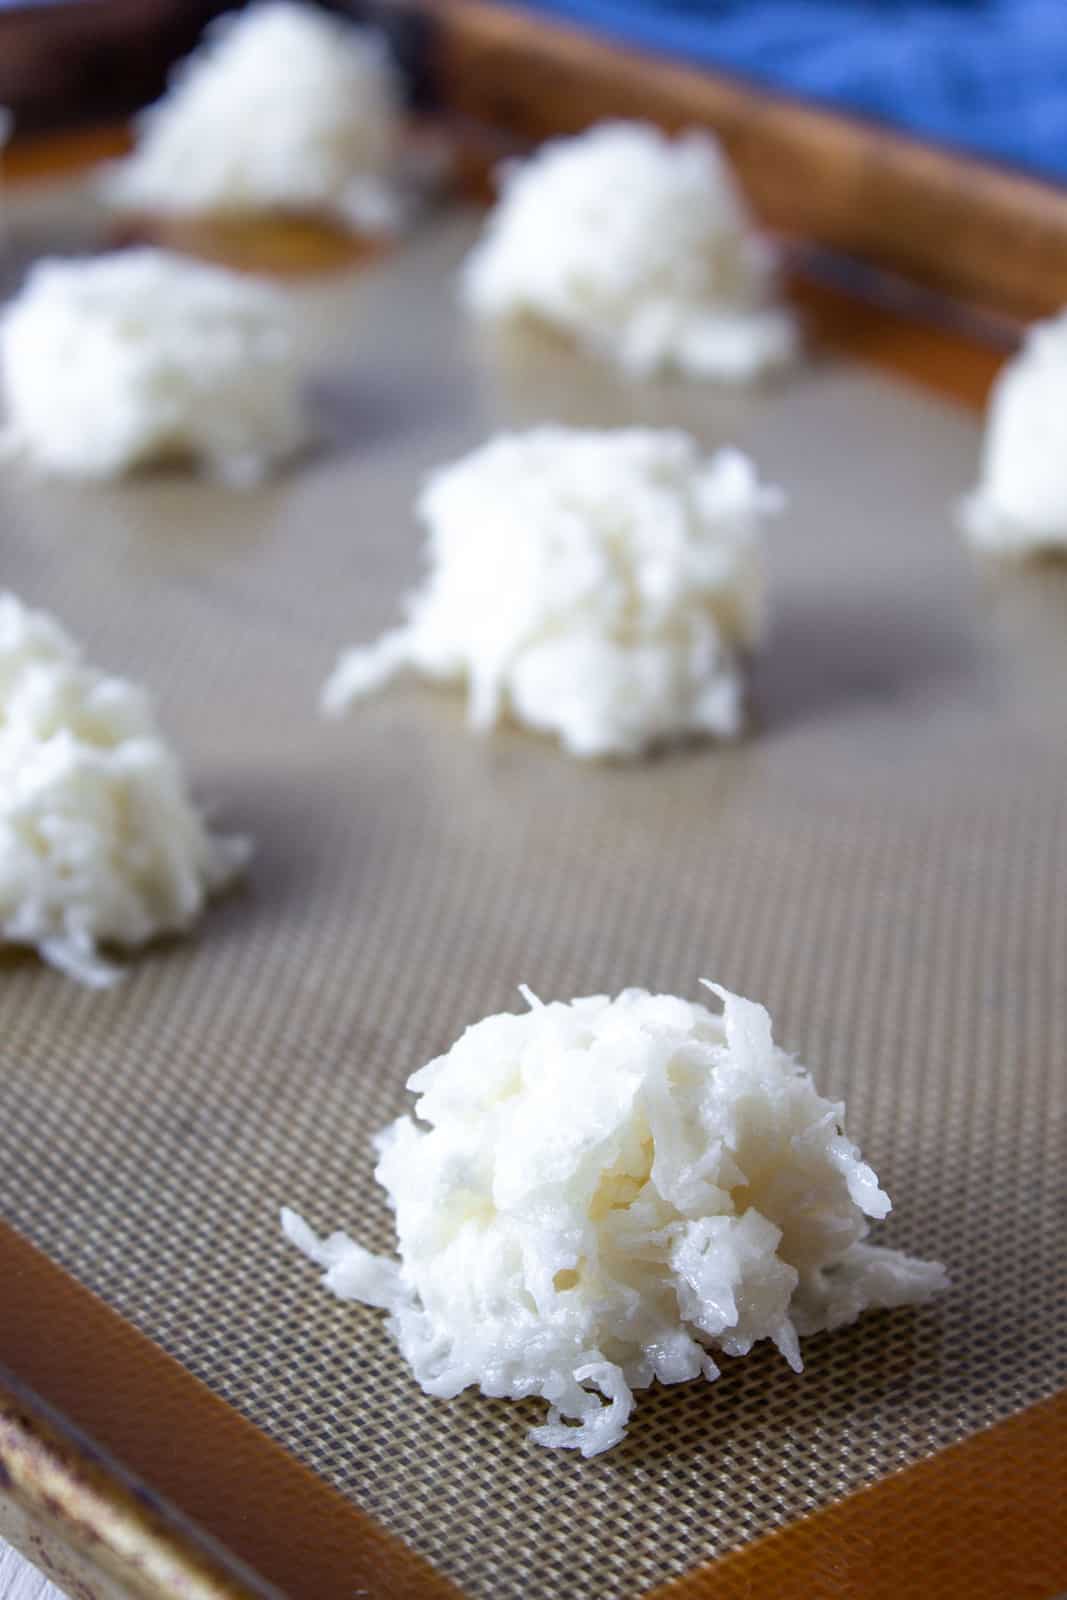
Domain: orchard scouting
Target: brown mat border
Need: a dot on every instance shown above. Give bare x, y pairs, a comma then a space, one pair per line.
982, 1520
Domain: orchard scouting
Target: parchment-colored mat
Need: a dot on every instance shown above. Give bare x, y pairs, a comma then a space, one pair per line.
884, 863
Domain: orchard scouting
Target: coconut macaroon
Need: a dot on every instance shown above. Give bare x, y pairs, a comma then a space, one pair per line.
142, 356
598, 586
641, 249
1020, 505
282, 108
100, 844
604, 1193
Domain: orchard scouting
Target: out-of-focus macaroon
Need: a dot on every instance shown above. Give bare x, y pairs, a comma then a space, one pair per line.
641, 249
1020, 505
282, 108
141, 356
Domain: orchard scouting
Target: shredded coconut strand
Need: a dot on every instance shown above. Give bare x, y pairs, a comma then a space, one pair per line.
598, 586
99, 840
640, 248
608, 1192
281, 108
143, 356
1020, 506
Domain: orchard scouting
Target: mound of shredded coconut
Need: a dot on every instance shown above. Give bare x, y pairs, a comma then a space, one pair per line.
604, 1193
598, 586
100, 843
283, 107
640, 248
1020, 506
143, 356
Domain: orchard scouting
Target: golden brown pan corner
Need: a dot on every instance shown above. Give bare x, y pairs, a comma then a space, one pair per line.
70, 1514
206, 1466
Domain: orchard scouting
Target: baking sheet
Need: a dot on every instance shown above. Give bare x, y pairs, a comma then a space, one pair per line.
883, 862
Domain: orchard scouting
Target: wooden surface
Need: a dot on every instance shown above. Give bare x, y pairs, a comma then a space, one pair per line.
69, 61
966, 228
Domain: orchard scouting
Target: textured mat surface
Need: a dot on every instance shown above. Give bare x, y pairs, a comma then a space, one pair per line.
883, 862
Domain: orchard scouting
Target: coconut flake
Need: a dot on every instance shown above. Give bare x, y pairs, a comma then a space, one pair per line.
281, 108
1020, 504
100, 843
640, 248
594, 1196
143, 356
599, 586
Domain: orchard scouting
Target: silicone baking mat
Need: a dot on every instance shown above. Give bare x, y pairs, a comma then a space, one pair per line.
883, 861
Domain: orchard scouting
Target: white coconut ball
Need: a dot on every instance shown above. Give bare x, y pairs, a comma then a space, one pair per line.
282, 108
601, 1194
100, 843
602, 587
640, 248
1020, 504
142, 356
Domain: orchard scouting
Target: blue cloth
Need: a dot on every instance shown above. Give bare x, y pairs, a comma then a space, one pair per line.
988, 76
